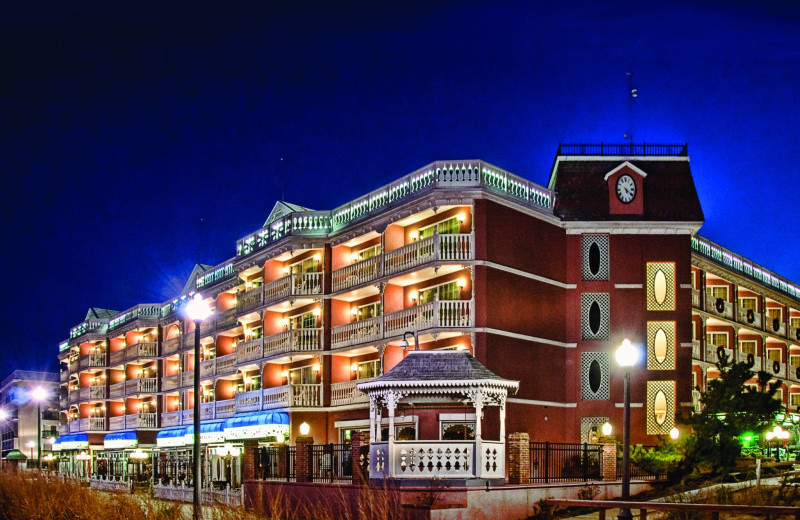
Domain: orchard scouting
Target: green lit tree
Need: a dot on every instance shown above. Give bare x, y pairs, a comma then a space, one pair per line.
730, 408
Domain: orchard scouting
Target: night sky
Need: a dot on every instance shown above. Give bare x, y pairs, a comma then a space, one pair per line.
137, 142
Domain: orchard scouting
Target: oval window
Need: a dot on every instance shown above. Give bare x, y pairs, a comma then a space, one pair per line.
594, 317
660, 346
660, 407
594, 258
595, 376
660, 287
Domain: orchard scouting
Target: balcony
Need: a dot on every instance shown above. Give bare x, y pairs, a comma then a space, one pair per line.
171, 382
309, 395
187, 416
74, 426
357, 273
446, 248
775, 326
73, 365
435, 314
719, 307
224, 409
249, 300
92, 360
772, 365
347, 393
140, 420
225, 319
749, 317
170, 346
63, 429
74, 396
219, 366
298, 284
93, 424
250, 351
357, 332
187, 378
696, 404
440, 459
143, 385
63, 376
140, 350
207, 410
248, 401
116, 423
695, 298
116, 358
63, 402
171, 419
116, 390
294, 340
697, 349
756, 361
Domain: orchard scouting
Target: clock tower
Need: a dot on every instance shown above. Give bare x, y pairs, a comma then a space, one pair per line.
625, 189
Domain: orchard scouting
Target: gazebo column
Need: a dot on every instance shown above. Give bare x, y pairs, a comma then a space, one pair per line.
503, 419
391, 404
478, 443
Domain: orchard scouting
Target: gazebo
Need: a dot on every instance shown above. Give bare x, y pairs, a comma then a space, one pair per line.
435, 383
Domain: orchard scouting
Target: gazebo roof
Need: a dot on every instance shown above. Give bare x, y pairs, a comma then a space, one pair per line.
439, 368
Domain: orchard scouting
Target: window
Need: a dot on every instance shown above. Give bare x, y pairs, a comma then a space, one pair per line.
718, 291
302, 376
405, 433
367, 369
370, 310
445, 291
774, 354
594, 257
794, 360
445, 227
775, 312
795, 400
256, 332
309, 265
306, 320
778, 395
794, 323
457, 431
748, 304
364, 254
747, 347
718, 339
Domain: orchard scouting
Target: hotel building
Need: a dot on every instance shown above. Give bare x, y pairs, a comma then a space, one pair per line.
540, 284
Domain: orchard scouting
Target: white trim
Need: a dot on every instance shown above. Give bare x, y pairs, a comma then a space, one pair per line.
541, 403
527, 275
632, 228
525, 337
358, 423
624, 165
628, 286
686, 344
687, 405
457, 417
633, 405
686, 286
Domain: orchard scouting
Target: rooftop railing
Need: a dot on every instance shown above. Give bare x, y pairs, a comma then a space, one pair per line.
624, 149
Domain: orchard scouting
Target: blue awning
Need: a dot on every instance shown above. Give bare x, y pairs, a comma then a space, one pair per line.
75, 441
257, 419
207, 427
123, 439
170, 437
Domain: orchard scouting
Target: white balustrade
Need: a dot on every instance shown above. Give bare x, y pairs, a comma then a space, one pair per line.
417, 317
92, 424
207, 368
437, 459
306, 395
74, 426
116, 358
697, 350
119, 486
278, 289
226, 364
170, 419
97, 392
207, 410
695, 298
187, 416
140, 386
171, 382
362, 331
357, 273
276, 397
305, 284
249, 300
454, 313
116, 390
226, 319
717, 305
248, 401
187, 378
140, 420
116, 423
83, 393
250, 350
225, 408
409, 256
347, 393
456, 247
139, 350
749, 317
696, 404
302, 340
171, 345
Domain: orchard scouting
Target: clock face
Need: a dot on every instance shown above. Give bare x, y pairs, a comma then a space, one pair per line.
626, 189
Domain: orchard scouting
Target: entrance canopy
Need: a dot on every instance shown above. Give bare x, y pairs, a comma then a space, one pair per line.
123, 439
76, 441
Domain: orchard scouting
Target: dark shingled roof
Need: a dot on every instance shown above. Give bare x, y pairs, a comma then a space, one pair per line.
669, 191
439, 365
97, 313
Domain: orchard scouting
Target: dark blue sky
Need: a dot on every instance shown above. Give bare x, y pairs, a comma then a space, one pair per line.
136, 142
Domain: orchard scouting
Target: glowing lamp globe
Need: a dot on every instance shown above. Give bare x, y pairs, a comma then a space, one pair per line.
627, 354
606, 429
304, 429
39, 394
197, 309
674, 433
3, 415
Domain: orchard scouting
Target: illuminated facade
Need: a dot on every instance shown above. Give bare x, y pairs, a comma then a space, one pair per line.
540, 283
18, 411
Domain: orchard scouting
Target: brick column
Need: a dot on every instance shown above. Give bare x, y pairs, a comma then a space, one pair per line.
249, 460
519, 458
609, 458
302, 464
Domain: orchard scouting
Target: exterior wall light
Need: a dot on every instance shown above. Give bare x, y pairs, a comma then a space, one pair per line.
606, 429
413, 235
305, 429
462, 282
674, 433
316, 367
354, 367
316, 312
461, 217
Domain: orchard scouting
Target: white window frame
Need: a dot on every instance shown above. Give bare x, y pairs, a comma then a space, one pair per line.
743, 342
299, 262
376, 249
376, 305
794, 400
436, 224
773, 309
375, 362
300, 315
711, 288
298, 370
778, 396
778, 350
456, 418
794, 360
749, 298
713, 334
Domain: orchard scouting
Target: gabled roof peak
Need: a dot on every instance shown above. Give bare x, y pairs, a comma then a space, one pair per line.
95, 313
281, 208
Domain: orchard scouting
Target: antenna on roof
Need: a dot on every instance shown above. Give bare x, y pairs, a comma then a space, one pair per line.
634, 93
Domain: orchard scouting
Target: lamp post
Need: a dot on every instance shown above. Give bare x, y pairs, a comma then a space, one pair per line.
3, 417
626, 355
197, 310
39, 395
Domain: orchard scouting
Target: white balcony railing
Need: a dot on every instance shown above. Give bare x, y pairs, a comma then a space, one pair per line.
294, 340
249, 300
770, 326
749, 317
225, 408
97, 392
697, 350
719, 306
187, 378
695, 298
171, 345
450, 247
74, 426
447, 313
362, 331
140, 420
248, 401
171, 419
250, 350
357, 273
93, 424
208, 368
696, 404
226, 364
116, 358
276, 397
171, 382
116, 390
307, 395
347, 393
97, 360
141, 385
207, 410
298, 284
140, 350
437, 459
116, 423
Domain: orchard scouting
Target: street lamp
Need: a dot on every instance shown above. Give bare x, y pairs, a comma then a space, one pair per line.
197, 310
626, 355
31, 444
39, 395
404, 343
3, 417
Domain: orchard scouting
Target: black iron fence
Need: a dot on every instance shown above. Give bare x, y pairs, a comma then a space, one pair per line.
639, 149
637, 472
330, 463
276, 463
565, 462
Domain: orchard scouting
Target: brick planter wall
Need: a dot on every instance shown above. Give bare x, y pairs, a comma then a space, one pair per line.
519, 458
